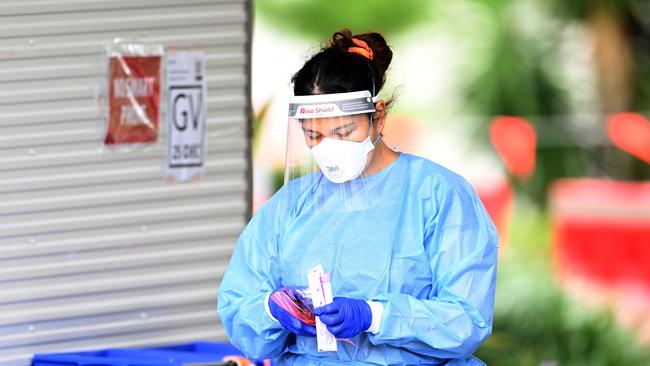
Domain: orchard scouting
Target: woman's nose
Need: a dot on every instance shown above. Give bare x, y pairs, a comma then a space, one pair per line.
314, 142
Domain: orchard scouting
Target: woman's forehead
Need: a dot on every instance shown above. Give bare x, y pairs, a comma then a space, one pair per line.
333, 122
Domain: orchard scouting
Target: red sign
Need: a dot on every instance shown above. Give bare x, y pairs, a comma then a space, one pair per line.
134, 99
631, 133
515, 140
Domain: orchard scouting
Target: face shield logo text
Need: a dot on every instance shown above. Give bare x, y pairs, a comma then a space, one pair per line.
316, 110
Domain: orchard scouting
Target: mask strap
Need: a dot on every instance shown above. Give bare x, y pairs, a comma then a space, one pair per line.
371, 125
377, 139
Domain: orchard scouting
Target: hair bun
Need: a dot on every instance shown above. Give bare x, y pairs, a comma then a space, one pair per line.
341, 39
382, 54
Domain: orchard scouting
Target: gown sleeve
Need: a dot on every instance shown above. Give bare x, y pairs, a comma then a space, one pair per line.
252, 274
461, 243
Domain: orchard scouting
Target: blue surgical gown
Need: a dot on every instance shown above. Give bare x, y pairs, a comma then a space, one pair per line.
424, 247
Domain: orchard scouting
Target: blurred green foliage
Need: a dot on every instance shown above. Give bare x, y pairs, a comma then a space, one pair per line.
536, 322
581, 9
632, 16
320, 19
517, 74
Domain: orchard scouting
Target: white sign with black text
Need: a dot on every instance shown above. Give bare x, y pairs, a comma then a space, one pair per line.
186, 115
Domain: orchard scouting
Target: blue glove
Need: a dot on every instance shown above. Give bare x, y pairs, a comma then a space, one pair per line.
293, 311
345, 317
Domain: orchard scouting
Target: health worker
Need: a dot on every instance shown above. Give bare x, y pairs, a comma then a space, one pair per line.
410, 249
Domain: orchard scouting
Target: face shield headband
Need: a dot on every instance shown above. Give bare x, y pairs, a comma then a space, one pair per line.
331, 105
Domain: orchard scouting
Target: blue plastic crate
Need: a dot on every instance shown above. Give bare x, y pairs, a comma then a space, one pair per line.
213, 348
204, 353
220, 350
98, 358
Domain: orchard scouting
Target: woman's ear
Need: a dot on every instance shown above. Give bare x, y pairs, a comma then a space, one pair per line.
379, 117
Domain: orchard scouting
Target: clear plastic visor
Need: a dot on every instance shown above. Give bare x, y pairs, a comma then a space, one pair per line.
316, 118
328, 147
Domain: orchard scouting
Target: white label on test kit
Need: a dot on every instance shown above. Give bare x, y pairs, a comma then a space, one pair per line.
321, 293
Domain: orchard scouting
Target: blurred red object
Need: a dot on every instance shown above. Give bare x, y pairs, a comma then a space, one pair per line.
496, 196
630, 132
515, 141
601, 231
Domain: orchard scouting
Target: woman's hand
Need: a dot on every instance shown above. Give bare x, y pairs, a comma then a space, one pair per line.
292, 311
345, 317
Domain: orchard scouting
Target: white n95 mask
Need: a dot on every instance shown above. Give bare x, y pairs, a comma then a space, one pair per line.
341, 160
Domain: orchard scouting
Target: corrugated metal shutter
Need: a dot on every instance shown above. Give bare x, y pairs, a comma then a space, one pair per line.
96, 250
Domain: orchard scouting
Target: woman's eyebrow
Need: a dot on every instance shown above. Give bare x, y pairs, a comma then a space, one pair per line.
308, 130
347, 125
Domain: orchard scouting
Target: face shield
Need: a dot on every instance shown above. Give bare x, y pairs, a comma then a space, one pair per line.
329, 140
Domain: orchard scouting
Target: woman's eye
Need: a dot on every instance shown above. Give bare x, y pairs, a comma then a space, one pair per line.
343, 135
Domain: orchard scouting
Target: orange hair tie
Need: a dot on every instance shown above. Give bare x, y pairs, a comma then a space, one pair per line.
361, 49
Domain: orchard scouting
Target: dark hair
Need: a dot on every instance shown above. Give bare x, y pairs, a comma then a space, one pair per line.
336, 70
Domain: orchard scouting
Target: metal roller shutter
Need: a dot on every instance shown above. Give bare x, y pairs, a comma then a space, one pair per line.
96, 250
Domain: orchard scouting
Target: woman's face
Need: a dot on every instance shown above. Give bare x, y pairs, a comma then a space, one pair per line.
349, 128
